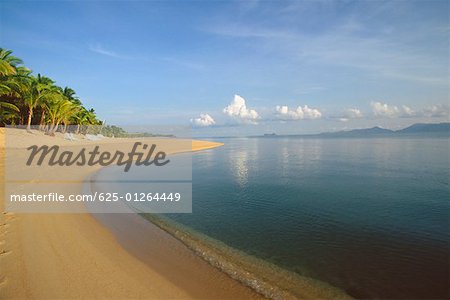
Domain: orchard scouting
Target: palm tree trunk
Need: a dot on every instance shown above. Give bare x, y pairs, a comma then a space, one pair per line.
50, 128
55, 129
41, 123
30, 114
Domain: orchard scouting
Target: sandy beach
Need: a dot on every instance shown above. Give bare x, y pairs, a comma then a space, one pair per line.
56, 256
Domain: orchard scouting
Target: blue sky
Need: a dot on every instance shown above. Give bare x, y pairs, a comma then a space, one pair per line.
296, 66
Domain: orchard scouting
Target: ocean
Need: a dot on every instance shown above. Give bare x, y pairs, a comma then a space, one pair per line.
369, 216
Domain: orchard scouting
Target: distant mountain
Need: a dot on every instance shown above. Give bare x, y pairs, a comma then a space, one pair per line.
416, 129
374, 131
426, 128
440, 129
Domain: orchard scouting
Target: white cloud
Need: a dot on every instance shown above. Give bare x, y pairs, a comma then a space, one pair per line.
97, 48
238, 110
283, 112
436, 111
391, 111
203, 121
390, 53
407, 111
351, 113
362, 47
354, 113
383, 110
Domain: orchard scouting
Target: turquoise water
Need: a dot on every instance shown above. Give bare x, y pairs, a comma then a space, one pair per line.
369, 216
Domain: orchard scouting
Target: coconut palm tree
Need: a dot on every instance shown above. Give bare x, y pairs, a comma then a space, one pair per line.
71, 95
21, 94
8, 111
60, 110
8, 62
34, 90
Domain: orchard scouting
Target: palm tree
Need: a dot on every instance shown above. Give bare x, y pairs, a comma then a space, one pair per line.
34, 90
21, 94
8, 111
60, 110
71, 95
8, 62
82, 118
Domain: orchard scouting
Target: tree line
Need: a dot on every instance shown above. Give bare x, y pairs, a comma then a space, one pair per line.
27, 99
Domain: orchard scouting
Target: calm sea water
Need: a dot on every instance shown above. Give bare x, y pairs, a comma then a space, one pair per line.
370, 216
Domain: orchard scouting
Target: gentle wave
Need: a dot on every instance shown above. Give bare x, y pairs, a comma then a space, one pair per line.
265, 278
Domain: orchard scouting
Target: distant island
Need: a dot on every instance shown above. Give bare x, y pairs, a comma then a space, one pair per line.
421, 129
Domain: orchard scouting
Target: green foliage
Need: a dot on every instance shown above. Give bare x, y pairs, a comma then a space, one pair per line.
113, 131
36, 100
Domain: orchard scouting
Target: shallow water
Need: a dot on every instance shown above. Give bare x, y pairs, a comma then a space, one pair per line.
370, 216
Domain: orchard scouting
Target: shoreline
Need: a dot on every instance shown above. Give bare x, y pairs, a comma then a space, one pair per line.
264, 277
137, 236
74, 256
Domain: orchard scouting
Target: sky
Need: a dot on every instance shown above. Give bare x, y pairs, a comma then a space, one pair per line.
242, 67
